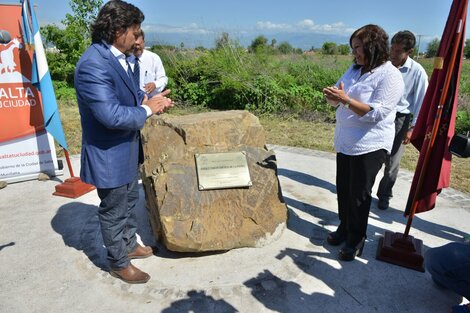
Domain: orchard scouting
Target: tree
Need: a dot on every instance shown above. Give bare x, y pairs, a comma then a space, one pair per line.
273, 43
329, 48
285, 48
72, 40
432, 48
259, 44
343, 49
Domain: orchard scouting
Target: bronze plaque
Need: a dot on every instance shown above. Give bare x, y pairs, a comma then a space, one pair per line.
222, 170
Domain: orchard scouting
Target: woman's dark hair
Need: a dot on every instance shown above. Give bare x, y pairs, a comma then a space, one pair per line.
405, 38
375, 44
114, 16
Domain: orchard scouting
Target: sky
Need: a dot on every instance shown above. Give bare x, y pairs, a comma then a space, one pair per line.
305, 22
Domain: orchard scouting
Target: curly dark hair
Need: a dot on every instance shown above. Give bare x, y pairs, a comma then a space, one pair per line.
375, 44
405, 38
114, 16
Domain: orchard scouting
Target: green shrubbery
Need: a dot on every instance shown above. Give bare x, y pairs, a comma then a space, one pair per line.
232, 78
64, 93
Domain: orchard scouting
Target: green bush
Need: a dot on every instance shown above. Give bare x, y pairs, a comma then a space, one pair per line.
232, 78
59, 67
462, 122
64, 93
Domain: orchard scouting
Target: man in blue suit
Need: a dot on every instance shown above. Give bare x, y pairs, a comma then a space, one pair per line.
113, 111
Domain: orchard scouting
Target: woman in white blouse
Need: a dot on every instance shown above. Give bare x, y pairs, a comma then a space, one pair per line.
366, 97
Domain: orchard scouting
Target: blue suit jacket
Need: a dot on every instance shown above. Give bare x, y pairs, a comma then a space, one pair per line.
111, 117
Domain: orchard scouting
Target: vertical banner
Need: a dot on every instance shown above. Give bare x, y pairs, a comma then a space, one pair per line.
26, 148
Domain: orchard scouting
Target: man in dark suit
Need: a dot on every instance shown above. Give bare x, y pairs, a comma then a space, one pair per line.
113, 111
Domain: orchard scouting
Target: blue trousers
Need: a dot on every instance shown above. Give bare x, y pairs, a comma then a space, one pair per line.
449, 267
118, 222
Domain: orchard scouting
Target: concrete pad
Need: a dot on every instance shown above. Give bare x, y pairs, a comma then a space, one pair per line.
53, 260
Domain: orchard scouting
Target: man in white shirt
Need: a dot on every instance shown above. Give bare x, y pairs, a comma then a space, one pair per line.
416, 83
152, 76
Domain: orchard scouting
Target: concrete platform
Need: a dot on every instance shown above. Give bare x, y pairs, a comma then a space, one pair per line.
52, 257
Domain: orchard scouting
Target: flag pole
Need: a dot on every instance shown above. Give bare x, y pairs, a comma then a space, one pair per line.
72, 187
437, 65
69, 164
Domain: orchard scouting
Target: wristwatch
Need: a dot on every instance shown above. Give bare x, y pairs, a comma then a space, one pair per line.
346, 105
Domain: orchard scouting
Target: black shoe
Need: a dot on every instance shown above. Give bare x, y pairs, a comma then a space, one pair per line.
336, 238
349, 253
383, 204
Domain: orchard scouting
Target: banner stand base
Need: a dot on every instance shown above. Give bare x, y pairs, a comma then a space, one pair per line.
72, 187
407, 252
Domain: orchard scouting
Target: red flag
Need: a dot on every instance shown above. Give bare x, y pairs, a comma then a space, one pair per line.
436, 121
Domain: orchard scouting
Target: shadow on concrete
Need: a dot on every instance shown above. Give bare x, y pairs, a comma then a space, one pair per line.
307, 179
389, 216
348, 284
350, 287
10, 244
392, 215
79, 226
164, 253
280, 295
199, 302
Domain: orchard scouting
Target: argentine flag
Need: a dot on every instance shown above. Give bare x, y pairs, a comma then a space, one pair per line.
41, 77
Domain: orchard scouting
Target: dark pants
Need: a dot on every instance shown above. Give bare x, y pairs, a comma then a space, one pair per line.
355, 176
449, 267
118, 222
392, 162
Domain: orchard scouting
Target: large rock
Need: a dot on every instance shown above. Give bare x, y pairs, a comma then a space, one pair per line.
189, 220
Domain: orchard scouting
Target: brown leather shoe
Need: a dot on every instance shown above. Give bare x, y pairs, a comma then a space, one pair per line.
131, 275
140, 252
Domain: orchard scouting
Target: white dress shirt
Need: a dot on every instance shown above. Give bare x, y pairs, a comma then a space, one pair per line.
119, 55
381, 89
416, 83
152, 70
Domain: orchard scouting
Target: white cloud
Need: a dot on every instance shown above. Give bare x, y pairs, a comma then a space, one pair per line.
192, 28
272, 26
306, 25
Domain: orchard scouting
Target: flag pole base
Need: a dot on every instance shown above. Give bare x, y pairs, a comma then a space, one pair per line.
72, 187
396, 249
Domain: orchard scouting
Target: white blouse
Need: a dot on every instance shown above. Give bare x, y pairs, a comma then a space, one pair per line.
381, 89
